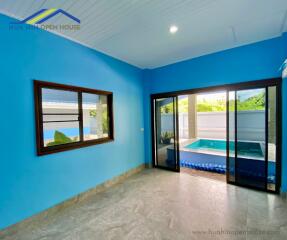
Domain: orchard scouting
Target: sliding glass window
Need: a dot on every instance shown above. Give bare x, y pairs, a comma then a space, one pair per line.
70, 117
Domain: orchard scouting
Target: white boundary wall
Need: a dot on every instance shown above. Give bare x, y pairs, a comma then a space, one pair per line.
251, 125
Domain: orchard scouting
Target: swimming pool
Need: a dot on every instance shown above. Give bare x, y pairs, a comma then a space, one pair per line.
248, 149
210, 155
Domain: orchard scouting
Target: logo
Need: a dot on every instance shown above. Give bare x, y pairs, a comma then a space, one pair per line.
39, 18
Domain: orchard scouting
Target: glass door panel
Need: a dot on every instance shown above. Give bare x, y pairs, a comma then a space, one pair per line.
272, 138
165, 137
250, 140
231, 137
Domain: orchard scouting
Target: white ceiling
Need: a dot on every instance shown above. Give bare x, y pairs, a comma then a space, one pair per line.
137, 31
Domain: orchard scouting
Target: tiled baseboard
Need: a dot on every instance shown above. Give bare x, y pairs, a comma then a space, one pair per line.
48, 214
148, 165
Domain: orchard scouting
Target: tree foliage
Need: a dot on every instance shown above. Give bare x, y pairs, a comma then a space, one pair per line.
253, 103
216, 105
256, 102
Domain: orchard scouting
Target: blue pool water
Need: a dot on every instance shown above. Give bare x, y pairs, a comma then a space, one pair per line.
219, 145
251, 149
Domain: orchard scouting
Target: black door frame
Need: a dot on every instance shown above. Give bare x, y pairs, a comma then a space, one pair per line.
231, 87
176, 135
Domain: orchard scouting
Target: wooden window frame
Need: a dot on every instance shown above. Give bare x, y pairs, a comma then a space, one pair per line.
41, 149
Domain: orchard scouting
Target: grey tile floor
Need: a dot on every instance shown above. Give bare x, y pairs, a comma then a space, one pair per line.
157, 204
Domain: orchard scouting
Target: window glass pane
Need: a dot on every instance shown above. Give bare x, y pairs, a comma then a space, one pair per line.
271, 180
59, 101
95, 116
231, 129
165, 127
250, 165
60, 133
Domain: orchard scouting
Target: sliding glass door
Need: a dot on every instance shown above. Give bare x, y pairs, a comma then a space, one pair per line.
165, 133
252, 141
253, 132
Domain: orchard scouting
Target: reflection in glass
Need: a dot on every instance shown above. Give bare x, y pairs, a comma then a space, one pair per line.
95, 116
58, 133
59, 101
250, 166
271, 180
60, 117
164, 115
231, 129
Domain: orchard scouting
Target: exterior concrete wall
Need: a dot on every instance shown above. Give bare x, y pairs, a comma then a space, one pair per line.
211, 125
251, 125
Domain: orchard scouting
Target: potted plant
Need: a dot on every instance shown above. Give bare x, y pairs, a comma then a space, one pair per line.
166, 137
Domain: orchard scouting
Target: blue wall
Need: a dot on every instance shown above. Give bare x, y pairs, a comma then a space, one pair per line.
251, 62
30, 184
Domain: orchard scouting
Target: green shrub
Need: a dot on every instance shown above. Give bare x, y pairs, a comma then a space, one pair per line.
60, 138
166, 137
93, 113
